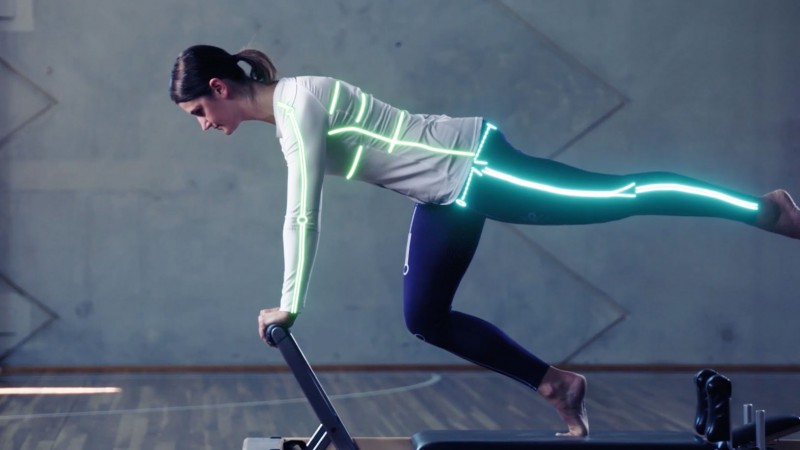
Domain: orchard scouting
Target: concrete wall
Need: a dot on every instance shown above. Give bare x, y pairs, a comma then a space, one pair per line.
128, 237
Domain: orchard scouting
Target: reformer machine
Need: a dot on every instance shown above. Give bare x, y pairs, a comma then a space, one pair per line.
712, 424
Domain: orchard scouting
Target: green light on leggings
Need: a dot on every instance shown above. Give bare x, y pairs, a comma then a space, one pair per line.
672, 187
489, 128
473, 171
302, 219
620, 192
624, 192
475, 161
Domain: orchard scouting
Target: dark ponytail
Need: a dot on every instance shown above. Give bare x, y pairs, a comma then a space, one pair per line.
261, 68
198, 64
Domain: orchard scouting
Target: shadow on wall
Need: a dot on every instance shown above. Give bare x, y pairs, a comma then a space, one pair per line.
21, 315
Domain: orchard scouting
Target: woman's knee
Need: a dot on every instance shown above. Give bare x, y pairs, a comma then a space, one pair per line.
416, 325
425, 326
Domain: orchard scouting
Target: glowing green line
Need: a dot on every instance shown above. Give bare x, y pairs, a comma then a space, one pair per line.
489, 127
472, 172
557, 190
696, 191
402, 143
475, 161
302, 219
397, 131
335, 97
355, 162
363, 107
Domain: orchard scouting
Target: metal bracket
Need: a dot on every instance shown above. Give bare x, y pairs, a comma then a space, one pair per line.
331, 428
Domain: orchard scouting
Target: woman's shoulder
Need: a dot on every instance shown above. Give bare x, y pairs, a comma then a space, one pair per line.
317, 82
314, 82
294, 88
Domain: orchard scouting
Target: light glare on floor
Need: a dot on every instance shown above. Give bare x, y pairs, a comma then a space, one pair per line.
59, 390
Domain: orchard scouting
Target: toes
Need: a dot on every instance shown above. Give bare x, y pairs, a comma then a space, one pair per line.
577, 432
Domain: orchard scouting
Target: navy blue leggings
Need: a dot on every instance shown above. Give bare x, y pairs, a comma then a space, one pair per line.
510, 186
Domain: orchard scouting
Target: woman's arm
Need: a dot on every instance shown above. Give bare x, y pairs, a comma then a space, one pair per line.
302, 123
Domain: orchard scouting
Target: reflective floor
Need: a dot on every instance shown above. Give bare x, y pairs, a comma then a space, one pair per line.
218, 410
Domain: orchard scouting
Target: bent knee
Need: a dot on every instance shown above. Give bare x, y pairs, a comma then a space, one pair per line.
417, 326
425, 327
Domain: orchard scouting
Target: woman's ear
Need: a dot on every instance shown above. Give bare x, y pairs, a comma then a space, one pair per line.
218, 87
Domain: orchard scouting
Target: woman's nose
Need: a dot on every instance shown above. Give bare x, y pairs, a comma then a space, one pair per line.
204, 124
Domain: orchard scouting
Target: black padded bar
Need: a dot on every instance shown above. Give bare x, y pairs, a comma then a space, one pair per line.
776, 428
546, 440
331, 429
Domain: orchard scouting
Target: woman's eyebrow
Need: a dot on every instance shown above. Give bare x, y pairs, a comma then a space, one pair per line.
197, 111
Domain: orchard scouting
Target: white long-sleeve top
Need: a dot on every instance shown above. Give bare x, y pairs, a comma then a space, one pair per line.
327, 126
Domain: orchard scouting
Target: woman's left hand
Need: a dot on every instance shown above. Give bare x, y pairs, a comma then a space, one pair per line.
271, 316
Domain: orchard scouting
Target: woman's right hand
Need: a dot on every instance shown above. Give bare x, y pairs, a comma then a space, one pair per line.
272, 316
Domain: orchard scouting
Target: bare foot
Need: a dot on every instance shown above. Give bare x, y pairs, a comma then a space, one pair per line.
565, 392
779, 214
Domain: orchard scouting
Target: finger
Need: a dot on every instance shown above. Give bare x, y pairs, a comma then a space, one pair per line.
262, 329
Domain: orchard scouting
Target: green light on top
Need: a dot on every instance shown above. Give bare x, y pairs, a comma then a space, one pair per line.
362, 108
302, 219
355, 162
397, 131
335, 97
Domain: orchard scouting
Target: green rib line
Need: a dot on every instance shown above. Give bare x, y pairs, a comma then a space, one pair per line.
335, 97
362, 108
355, 162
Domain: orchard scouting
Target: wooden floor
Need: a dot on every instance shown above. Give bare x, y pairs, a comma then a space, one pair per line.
217, 411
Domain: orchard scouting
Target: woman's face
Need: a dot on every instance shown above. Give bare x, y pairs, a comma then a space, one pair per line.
217, 110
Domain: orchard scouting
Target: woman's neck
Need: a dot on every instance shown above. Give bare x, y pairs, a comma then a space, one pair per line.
259, 107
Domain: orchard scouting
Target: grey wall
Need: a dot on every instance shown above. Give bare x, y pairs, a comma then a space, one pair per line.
128, 237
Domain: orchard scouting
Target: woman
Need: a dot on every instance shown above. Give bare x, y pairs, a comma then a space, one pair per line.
459, 171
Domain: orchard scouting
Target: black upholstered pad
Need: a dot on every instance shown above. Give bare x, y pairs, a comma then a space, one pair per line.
546, 440
775, 428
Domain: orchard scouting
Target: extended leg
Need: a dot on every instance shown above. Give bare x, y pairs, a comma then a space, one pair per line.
442, 242
511, 186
